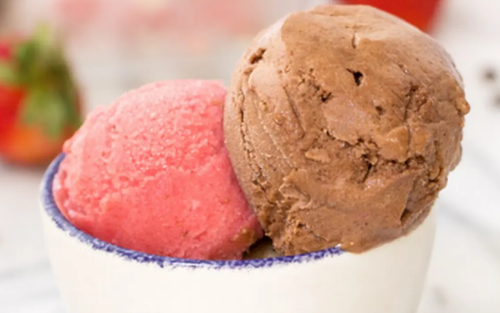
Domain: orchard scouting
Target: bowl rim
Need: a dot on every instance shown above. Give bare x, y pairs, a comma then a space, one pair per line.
52, 210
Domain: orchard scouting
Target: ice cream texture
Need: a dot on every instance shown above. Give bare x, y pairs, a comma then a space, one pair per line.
151, 173
342, 124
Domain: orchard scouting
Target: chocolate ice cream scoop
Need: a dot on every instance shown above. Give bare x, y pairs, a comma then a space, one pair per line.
342, 124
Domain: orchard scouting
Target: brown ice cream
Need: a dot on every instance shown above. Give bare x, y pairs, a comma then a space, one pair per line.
342, 124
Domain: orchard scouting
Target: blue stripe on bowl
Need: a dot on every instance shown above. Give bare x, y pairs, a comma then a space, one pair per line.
63, 224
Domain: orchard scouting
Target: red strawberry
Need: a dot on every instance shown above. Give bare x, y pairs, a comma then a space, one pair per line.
420, 13
39, 105
4, 51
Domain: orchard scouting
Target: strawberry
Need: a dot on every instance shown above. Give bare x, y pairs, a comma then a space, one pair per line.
420, 13
39, 104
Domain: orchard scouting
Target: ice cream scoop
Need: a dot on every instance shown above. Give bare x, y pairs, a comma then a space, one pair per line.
342, 124
151, 173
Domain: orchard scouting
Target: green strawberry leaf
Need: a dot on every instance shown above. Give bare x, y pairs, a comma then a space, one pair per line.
46, 109
27, 67
54, 116
52, 98
8, 74
29, 113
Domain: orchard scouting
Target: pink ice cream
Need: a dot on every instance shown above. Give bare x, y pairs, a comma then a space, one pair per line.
151, 173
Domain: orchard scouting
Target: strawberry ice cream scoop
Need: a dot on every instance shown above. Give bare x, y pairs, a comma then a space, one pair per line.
151, 173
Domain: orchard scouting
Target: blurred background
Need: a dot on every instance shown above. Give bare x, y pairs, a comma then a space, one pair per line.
92, 51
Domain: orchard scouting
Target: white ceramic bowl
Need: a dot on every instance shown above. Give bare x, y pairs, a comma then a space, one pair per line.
98, 277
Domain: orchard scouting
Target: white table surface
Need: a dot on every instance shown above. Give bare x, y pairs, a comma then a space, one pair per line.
465, 272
